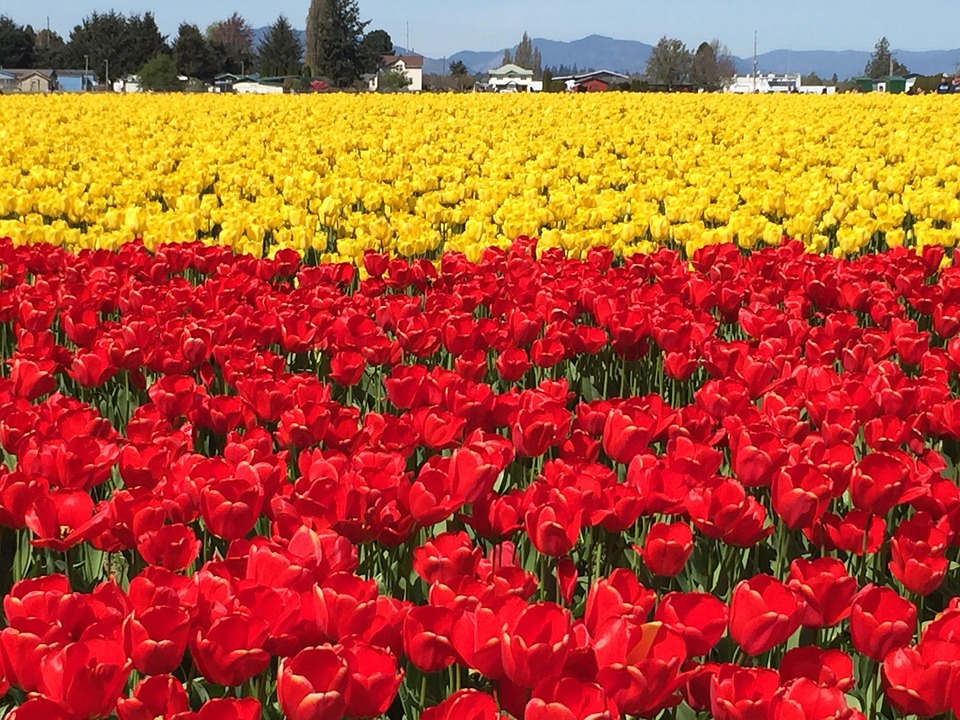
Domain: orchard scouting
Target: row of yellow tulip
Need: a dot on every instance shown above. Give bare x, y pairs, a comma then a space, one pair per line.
342, 174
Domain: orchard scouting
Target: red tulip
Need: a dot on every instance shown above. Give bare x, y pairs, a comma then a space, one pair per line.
763, 613
553, 524
827, 589
877, 484
857, 532
742, 693
535, 644
426, 637
699, 684
478, 634
32, 378
830, 668
173, 547
374, 679
230, 651
640, 665
464, 705
512, 364
40, 708
881, 621
344, 605
919, 679
157, 696
570, 699
86, 677
314, 684
541, 423
231, 507
918, 552
801, 494
225, 709
667, 548
156, 639
567, 578
626, 435
757, 454
619, 595
803, 699
699, 617
446, 557
727, 513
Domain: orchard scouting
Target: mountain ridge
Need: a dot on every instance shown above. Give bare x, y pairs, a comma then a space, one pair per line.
630, 57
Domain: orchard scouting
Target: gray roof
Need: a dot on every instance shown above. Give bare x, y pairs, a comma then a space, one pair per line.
511, 69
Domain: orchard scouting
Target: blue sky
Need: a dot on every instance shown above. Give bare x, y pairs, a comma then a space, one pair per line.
442, 27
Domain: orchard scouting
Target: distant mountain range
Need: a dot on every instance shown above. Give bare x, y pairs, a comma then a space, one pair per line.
630, 56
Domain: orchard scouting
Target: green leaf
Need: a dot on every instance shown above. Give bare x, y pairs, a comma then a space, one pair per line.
23, 561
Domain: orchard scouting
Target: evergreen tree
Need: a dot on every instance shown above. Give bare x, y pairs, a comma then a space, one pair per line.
110, 38
281, 50
334, 32
460, 74
193, 54
50, 50
883, 62
101, 41
375, 45
143, 40
17, 46
528, 57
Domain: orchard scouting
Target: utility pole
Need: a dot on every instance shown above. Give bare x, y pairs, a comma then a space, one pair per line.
107, 63
409, 49
754, 60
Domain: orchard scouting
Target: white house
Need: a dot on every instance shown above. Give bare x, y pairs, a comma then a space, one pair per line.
818, 89
410, 66
765, 83
512, 78
128, 84
248, 86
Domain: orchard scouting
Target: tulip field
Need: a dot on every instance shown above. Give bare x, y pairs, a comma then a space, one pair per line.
479, 408
340, 175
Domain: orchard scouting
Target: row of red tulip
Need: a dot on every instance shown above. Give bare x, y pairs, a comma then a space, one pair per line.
535, 486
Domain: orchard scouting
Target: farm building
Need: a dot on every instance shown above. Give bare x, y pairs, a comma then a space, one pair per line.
42, 80
765, 83
410, 66
893, 84
259, 86
593, 81
512, 78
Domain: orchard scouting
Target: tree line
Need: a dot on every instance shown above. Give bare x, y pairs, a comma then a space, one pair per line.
338, 48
